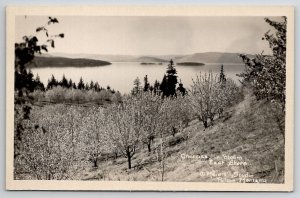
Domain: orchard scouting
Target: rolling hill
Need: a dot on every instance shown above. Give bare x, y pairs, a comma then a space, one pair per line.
211, 57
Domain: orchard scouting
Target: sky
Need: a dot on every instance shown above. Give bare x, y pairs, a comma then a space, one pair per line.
149, 35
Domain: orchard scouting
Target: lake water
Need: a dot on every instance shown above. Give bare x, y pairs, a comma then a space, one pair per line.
120, 75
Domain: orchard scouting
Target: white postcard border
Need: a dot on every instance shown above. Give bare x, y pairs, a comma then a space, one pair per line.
13, 11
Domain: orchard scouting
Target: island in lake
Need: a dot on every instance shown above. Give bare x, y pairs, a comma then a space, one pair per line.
143, 63
40, 61
190, 64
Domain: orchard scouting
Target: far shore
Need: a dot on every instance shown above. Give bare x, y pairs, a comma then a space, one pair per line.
190, 64
41, 62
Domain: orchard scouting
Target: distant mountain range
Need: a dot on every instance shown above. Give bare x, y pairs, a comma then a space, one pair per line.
91, 59
211, 57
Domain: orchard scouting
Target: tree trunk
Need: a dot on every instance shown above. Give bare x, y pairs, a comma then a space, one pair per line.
149, 146
129, 160
49, 176
150, 140
205, 124
163, 171
95, 163
173, 131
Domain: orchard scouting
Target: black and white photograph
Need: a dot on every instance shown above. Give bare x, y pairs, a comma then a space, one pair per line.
150, 98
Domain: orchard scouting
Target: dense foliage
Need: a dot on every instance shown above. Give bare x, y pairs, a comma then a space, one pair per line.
267, 73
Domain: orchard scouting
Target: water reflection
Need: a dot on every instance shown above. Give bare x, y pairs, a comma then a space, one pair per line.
120, 76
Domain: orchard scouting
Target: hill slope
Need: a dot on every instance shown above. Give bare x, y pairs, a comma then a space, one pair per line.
247, 133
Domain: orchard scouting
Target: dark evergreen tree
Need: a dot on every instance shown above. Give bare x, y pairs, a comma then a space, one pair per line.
52, 83
164, 85
156, 87
70, 84
146, 83
172, 79
25, 82
30, 82
96, 87
87, 86
38, 84
222, 77
48, 86
74, 85
64, 82
92, 85
168, 85
81, 84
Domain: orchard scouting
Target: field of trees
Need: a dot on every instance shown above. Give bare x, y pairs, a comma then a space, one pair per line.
58, 138
68, 131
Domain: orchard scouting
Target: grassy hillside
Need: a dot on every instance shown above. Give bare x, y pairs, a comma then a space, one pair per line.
247, 133
40, 61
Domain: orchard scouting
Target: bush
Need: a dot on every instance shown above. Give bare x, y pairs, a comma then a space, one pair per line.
38, 95
105, 95
57, 94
